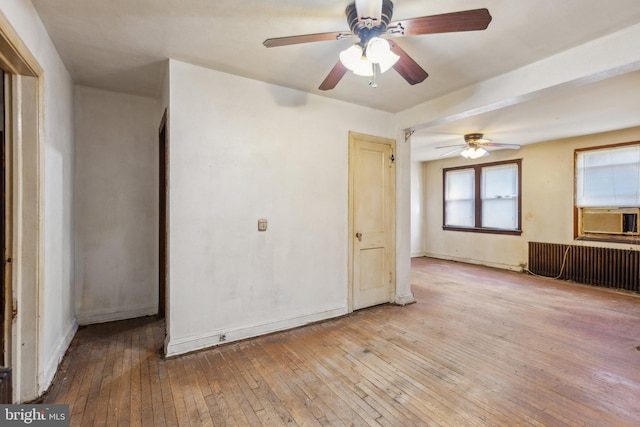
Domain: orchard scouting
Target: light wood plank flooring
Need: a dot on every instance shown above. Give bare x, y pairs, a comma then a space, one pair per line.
481, 347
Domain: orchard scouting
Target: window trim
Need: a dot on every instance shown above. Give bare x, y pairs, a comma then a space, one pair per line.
478, 200
600, 237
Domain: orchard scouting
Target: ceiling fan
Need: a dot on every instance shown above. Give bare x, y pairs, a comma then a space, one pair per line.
473, 148
373, 53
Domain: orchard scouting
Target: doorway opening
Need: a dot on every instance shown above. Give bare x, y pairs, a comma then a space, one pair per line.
162, 213
3, 227
22, 133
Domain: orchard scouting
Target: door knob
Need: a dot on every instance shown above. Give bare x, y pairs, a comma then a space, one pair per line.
359, 236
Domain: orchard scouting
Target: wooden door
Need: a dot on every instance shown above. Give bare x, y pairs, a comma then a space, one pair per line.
372, 220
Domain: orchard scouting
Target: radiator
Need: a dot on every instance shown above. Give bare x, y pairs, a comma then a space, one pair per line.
6, 391
607, 267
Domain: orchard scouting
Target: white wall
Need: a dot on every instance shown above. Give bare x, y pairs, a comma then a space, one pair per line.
403, 219
53, 300
116, 205
417, 209
241, 150
547, 203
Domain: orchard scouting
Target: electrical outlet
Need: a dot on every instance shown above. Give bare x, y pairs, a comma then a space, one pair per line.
262, 224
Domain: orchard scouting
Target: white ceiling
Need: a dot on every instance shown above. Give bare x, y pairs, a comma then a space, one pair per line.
121, 45
602, 106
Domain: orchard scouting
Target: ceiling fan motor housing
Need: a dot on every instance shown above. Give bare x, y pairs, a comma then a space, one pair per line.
366, 30
473, 137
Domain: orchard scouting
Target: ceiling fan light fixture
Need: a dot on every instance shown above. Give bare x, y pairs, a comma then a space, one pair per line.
351, 57
388, 61
363, 68
354, 60
377, 48
379, 52
474, 152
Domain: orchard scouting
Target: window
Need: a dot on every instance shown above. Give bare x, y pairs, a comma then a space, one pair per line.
483, 198
607, 193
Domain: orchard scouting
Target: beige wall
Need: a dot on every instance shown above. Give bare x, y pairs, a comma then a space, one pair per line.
547, 203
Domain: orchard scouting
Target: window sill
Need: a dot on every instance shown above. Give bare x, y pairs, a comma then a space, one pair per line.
610, 238
483, 230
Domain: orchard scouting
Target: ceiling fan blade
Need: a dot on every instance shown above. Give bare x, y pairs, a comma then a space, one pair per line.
334, 76
494, 144
469, 20
307, 38
449, 146
450, 152
407, 67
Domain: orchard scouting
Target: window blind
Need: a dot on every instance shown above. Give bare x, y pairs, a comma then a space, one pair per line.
499, 197
460, 198
608, 177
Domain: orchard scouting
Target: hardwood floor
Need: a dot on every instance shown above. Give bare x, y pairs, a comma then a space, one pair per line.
481, 347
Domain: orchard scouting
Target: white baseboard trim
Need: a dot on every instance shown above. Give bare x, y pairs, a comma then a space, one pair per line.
175, 347
516, 268
417, 254
404, 299
110, 316
46, 377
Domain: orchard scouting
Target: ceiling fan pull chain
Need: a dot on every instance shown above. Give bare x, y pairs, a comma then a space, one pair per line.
373, 81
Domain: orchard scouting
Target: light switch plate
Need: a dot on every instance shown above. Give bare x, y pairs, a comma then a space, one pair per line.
262, 224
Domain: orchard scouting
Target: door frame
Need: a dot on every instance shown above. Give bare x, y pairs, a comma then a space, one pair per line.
23, 136
7, 222
353, 136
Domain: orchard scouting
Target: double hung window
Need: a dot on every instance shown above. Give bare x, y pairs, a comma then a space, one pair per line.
483, 198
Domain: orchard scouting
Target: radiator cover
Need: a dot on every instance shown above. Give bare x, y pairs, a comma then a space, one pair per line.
606, 267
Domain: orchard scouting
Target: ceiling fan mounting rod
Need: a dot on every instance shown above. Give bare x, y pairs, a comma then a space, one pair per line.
373, 80
367, 34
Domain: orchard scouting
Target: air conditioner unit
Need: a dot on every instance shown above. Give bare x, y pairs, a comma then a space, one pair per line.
610, 221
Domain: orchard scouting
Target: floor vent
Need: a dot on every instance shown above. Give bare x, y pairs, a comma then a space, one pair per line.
607, 267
